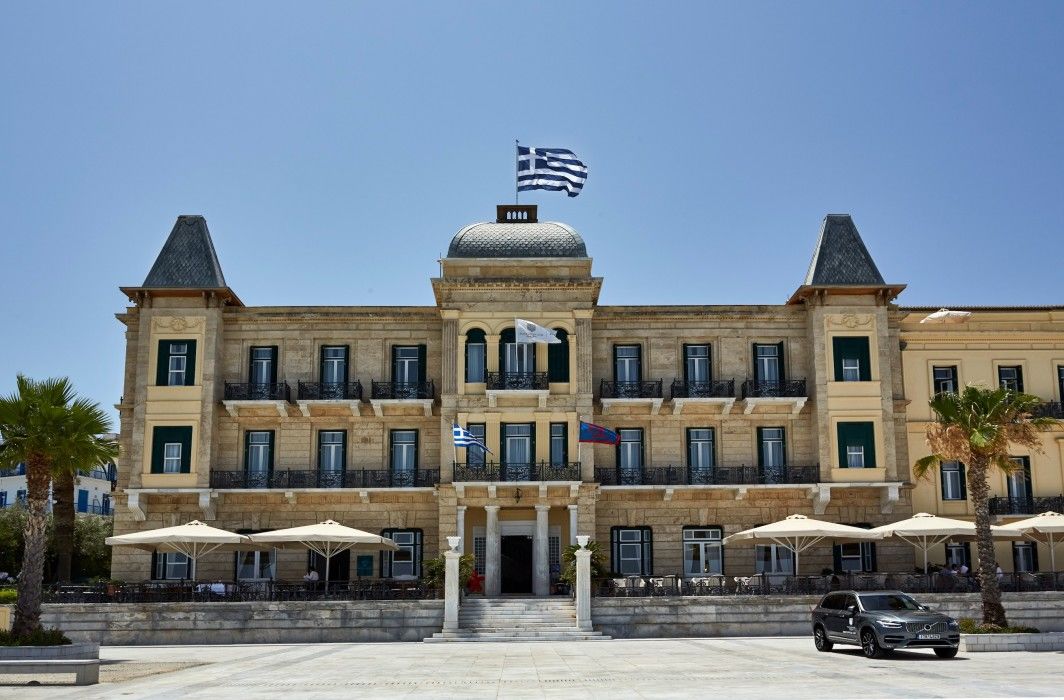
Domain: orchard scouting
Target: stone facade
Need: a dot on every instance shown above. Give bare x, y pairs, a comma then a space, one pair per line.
763, 391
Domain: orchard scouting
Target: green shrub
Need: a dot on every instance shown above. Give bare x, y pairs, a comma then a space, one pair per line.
8, 596
38, 638
970, 626
598, 563
433, 571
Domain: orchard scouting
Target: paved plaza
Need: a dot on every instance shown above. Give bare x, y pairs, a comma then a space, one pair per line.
730, 667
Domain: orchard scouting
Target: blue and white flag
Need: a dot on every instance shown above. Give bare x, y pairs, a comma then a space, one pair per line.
554, 169
464, 438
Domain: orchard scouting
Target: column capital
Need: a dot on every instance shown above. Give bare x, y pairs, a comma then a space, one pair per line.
492, 509
542, 508
460, 509
572, 506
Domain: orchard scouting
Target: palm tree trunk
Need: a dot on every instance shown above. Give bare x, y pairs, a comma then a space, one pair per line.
979, 488
28, 608
63, 517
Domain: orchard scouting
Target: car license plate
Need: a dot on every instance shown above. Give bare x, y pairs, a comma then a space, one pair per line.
929, 636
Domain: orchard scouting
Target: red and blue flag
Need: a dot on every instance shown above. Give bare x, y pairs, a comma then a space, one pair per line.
589, 432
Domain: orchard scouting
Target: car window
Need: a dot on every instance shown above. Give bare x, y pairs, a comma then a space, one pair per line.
889, 601
847, 601
831, 602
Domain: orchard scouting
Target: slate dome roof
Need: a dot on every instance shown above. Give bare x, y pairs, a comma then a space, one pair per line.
545, 239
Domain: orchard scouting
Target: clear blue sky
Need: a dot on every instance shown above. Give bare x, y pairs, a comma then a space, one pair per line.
335, 148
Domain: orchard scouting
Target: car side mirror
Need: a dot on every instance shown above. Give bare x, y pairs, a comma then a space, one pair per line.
852, 609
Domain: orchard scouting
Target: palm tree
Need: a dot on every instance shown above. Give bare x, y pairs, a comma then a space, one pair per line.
976, 427
45, 426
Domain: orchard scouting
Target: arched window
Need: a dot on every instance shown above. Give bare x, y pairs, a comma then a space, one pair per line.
514, 357
558, 358
475, 355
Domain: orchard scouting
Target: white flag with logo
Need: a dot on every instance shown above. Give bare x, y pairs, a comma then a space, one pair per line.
528, 332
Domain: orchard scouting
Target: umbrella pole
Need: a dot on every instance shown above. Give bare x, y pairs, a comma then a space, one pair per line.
328, 560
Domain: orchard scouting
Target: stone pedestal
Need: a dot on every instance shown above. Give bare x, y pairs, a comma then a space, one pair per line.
541, 553
451, 590
583, 589
574, 513
492, 553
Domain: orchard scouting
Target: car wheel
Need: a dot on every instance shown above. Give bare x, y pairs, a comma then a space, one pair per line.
820, 639
870, 645
946, 652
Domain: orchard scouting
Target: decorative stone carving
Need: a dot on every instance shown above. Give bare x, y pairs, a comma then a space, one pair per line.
850, 321
177, 324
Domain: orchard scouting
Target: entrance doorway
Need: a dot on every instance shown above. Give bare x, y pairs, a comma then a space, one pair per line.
516, 572
339, 566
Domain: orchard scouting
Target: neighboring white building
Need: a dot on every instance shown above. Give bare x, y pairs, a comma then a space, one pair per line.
92, 489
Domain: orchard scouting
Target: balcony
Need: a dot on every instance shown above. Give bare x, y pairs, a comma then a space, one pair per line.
241, 396
790, 393
289, 479
709, 476
1050, 409
627, 396
320, 397
715, 395
397, 398
510, 471
517, 386
1025, 505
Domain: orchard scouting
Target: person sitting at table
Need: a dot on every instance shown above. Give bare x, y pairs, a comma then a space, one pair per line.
311, 577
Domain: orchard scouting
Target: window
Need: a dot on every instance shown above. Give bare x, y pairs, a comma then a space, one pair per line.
480, 553
1011, 377
944, 379
258, 452
773, 559
1024, 557
1060, 382
703, 552
959, 554
20, 496
696, 367
171, 565
630, 449
768, 362
404, 451
83, 501
519, 358
331, 450
476, 456
475, 356
855, 556
627, 363
559, 444
771, 451
700, 448
857, 448
176, 363
518, 451
256, 566
262, 365
554, 556
953, 482
3, 499
408, 364
1019, 484
852, 359
171, 450
334, 365
558, 358
406, 561
631, 551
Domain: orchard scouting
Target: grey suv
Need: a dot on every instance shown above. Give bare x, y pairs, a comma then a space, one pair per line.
880, 621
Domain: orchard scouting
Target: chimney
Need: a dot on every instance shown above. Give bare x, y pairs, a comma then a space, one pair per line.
516, 214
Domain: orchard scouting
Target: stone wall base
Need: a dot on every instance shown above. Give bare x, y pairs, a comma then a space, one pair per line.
1047, 641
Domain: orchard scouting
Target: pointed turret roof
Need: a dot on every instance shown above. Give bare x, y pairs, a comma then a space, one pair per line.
840, 256
187, 264
841, 263
188, 259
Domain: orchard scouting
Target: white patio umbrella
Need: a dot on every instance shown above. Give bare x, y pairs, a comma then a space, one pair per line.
1047, 528
947, 316
925, 531
798, 533
327, 539
193, 539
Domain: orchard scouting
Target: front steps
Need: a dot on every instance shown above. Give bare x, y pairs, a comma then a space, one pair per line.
517, 620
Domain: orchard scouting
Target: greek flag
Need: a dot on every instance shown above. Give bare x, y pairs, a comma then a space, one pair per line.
554, 169
464, 438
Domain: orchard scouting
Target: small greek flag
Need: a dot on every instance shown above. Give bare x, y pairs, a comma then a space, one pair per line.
554, 169
464, 438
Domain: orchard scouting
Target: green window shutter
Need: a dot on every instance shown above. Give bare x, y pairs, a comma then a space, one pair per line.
247, 448
343, 449
422, 369
273, 364
859, 434
417, 449
508, 335
395, 363
347, 363
186, 450
683, 361
269, 462
532, 444
757, 371
853, 348
164, 434
190, 363
558, 358
162, 364
964, 481
838, 346
783, 363
760, 447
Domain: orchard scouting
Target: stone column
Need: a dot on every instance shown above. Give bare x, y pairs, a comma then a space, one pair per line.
451, 589
583, 589
541, 553
460, 515
492, 553
583, 376
573, 369
491, 352
449, 362
574, 512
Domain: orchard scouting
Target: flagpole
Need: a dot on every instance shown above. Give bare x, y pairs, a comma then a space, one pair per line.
517, 170
454, 448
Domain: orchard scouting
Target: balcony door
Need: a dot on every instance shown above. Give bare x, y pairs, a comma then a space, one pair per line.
258, 458
262, 365
517, 358
700, 460
408, 370
771, 454
627, 363
768, 363
696, 364
518, 451
333, 371
332, 458
1019, 485
404, 457
630, 456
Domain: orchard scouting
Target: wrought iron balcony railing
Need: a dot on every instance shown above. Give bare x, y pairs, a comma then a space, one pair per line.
324, 479
516, 471
404, 390
716, 388
519, 381
1025, 505
249, 391
756, 388
1050, 409
672, 475
96, 509
650, 389
330, 391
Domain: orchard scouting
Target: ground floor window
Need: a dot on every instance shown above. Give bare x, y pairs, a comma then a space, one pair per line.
171, 565
480, 547
703, 552
1024, 556
406, 561
773, 559
256, 566
855, 556
631, 551
554, 556
959, 554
